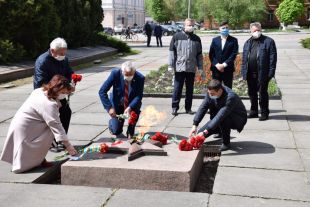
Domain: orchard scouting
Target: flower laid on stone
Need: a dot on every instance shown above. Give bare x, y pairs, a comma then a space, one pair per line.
76, 78
102, 148
133, 118
197, 141
160, 137
193, 143
184, 145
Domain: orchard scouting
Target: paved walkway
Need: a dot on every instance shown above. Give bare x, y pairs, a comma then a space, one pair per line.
76, 56
269, 164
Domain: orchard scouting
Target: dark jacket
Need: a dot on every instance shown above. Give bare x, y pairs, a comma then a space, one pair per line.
116, 79
148, 29
229, 105
227, 55
266, 58
46, 66
158, 31
185, 52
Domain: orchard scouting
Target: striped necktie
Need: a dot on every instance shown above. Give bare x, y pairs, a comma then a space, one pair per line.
126, 95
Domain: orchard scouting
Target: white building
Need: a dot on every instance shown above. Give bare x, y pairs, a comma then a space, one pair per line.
123, 12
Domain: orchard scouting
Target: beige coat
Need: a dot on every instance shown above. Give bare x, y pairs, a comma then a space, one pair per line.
32, 131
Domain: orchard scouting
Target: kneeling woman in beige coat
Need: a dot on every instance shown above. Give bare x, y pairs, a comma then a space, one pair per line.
35, 125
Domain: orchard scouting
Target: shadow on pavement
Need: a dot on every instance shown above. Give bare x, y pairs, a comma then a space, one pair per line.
294, 118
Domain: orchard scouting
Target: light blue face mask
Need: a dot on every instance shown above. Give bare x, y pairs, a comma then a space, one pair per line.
225, 32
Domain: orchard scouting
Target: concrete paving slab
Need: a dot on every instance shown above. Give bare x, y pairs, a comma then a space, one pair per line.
302, 139
249, 182
28, 177
84, 132
52, 195
4, 127
98, 119
260, 157
300, 126
264, 138
176, 172
2, 140
305, 156
146, 198
7, 114
14, 96
240, 201
271, 124
11, 105
78, 106
96, 107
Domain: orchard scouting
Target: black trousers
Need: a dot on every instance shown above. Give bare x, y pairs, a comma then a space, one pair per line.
179, 79
256, 87
148, 40
65, 114
225, 77
119, 125
158, 41
224, 128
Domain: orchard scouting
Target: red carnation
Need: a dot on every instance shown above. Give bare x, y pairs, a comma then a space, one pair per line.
184, 145
197, 141
133, 118
160, 137
76, 77
104, 148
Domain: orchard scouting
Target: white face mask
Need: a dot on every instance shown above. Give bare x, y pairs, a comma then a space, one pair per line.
128, 78
188, 28
60, 58
256, 34
214, 97
62, 96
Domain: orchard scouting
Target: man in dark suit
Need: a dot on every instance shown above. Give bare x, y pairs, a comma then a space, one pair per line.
148, 31
158, 32
222, 54
259, 61
54, 62
128, 85
230, 113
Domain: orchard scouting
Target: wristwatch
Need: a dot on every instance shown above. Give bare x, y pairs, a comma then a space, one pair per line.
205, 134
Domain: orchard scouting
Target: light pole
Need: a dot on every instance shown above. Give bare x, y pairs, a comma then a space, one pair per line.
189, 9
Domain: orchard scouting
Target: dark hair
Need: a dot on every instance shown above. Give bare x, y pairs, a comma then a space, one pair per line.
224, 23
56, 84
215, 85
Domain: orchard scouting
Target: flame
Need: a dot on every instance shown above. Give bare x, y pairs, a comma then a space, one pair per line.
149, 117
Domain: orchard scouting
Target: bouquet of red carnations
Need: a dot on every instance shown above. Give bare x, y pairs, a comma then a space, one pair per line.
133, 118
76, 78
160, 137
193, 143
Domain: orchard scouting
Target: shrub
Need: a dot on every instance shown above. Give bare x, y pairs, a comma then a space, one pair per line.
109, 41
10, 52
306, 43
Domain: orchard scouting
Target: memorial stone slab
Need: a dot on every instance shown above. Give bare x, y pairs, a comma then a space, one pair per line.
178, 171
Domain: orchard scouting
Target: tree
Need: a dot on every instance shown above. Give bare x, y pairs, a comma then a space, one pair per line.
289, 10
158, 10
237, 12
27, 26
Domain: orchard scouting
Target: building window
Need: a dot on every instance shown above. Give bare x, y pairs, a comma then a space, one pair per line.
270, 15
308, 14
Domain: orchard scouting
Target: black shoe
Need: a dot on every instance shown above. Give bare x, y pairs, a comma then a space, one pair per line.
189, 112
252, 115
174, 112
263, 117
225, 147
217, 136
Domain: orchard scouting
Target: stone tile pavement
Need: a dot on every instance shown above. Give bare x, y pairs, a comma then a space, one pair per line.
269, 164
